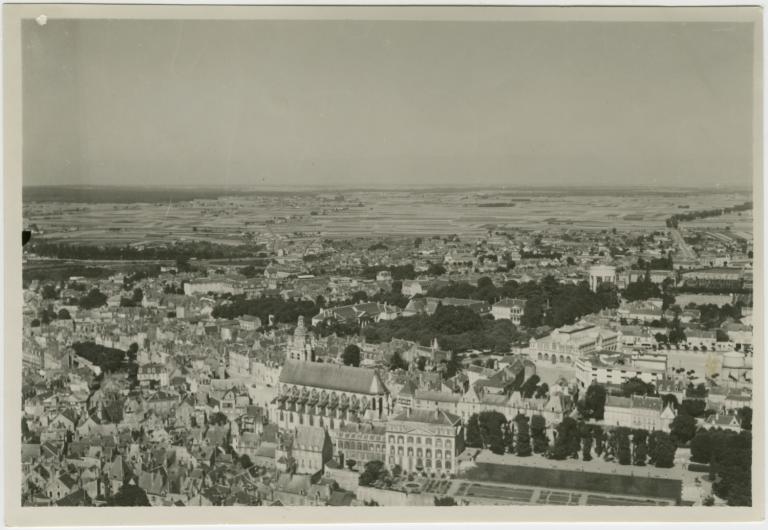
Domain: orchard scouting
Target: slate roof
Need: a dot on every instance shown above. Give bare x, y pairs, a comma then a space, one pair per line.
435, 417
332, 377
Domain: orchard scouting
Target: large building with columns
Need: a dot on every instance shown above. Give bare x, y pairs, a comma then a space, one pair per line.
424, 440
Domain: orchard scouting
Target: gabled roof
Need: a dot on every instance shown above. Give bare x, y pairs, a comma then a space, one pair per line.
434, 417
332, 377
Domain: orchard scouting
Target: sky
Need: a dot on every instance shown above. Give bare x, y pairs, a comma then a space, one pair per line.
387, 104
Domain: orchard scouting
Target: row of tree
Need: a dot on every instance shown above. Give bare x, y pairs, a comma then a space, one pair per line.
674, 220
170, 251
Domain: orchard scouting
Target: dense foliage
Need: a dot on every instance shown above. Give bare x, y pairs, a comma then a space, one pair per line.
284, 311
456, 329
548, 302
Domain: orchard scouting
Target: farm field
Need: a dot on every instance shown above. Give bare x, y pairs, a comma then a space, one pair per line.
396, 213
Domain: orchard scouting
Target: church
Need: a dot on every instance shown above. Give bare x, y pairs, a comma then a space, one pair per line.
325, 394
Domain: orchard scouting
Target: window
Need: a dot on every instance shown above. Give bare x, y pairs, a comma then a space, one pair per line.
418, 439
447, 444
391, 439
439, 442
400, 440
410, 439
447, 464
429, 441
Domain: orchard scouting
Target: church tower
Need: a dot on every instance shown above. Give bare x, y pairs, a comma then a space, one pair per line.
301, 348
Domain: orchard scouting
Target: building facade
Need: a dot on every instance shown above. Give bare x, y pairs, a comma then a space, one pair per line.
424, 440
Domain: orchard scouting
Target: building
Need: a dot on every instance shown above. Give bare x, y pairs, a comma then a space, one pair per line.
303, 449
428, 305
209, 285
568, 343
328, 395
638, 412
359, 314
249, 322
641, 311
424, 440
301, 345
361, 442
152, 372
614, 368
601, 274
715, 277
509, 309
736, 369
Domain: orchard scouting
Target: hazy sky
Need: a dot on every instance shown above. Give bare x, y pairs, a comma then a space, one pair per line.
381, 104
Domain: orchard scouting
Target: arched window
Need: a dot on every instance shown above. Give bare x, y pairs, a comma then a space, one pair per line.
438, 442
391, 439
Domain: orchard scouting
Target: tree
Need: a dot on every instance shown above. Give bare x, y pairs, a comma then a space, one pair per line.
435, 269
445, 501
635, 386
93, 299
676, 334
133, 349
683, 429
129, 495
586, 442
474, 438
597, 431
539, 433
49, 292
491, 422
396, 362
695, 408
745, 418
373, 471
64, 314
664, 449
529, 387
509, 437
523, 439
138, 296
623, 450
245, 461
351, 355
567, 442
701, 446
640, 443
594, 401
218, 418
